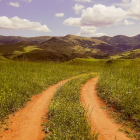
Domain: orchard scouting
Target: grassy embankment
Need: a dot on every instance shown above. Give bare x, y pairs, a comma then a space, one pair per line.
67, 116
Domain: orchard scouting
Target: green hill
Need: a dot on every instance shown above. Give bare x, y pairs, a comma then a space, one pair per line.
51, 48
122, 43
133, 54
66, 47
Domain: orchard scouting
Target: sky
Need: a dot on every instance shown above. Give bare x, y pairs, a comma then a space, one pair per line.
31, 18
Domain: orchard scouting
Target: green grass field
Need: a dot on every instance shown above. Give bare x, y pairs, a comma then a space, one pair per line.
20, 80
119, 83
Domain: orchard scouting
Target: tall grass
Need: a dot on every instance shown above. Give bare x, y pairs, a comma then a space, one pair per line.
119, 84
67, 119
20, 80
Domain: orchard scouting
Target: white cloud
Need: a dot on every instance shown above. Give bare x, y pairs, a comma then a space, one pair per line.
100, 34
83, 0
127, 22
98, 16
16, 23
59, 14
125, 1
123, 5
90, 30
78, 8
15, 4
72, 21
134, 11
28, 0
102, 16
106, 16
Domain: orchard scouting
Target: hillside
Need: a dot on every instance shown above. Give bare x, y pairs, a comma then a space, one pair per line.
133, 54
121, 42
66, 47
95, 45
16, 39
51, 48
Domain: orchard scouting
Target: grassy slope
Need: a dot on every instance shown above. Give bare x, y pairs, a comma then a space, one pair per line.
78, 39
71, 122
87, 45
11, 51
127, 55
122, 42
55, 48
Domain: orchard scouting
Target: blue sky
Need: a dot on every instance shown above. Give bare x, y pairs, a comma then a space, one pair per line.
62, 17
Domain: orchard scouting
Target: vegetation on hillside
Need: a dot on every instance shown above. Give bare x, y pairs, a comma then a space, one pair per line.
127, 55
54, 49
123, 43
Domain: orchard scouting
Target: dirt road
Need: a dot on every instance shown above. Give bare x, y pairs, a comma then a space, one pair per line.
26, 123
98, 117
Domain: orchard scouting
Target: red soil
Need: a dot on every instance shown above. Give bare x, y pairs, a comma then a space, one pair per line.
98, 118
26, 124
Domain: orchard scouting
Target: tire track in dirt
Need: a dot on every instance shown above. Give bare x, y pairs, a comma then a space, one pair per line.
26, 123
98, 118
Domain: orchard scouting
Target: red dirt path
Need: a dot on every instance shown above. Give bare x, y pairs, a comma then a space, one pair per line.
99, 119
26, 123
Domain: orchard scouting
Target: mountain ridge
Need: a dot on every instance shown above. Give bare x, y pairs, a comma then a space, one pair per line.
65, 47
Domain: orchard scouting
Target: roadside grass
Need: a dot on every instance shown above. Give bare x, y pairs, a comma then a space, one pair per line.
119, 85
20, 80
67, 120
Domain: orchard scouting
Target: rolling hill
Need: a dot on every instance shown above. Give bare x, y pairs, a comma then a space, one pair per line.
133, 54
65, 47
50, 48
121, 42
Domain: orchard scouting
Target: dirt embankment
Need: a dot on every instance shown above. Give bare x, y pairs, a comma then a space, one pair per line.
97, 116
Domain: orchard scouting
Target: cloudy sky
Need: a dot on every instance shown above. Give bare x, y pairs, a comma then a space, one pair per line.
61, 17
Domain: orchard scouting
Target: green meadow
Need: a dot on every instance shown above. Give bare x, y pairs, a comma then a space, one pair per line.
119, 85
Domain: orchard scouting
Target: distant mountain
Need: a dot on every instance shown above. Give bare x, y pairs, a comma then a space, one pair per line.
121, 42
65, 47
51, 48
15, 39
133, 54
95, 45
